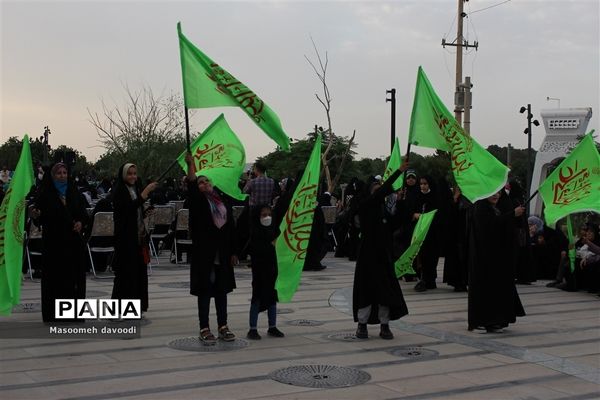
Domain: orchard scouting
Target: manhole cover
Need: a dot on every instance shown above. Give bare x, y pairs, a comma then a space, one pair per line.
343, 337
192, 343
175, 285
414, 352
27, 308
320, 376
321, 278
94, 293
304, 322
284, 311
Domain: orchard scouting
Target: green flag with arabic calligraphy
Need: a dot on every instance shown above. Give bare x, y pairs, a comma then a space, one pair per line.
404, 264
206, 84
12, 224
393, 164
220, 156
292, 243
574, 185
478, 173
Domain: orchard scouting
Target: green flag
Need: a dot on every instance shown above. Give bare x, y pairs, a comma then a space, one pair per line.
12, 224
572, 251
574, 185
292, 243
206, 84
403, 265
478, 173
220, 156
393, 164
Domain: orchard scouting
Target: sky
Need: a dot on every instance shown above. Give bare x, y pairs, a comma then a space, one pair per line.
61, 59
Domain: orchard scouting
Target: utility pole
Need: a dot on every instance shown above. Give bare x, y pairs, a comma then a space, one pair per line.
527, 131
392, 100
459, 43
508, 160
466, 87
44, 139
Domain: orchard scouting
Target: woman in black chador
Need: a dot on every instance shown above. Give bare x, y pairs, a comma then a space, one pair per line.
131, 239
62, 217
212, 252
377, 297
493, 299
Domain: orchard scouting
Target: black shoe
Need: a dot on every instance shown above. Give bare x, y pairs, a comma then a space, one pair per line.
494, 329
566, 287
420, 287
362, 332
385, 332
275, 332
253, 335
553, 284
431, 285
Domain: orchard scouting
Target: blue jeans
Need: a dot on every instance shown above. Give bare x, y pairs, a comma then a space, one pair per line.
271, 312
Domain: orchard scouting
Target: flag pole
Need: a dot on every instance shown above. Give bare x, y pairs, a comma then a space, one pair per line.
531, 197
187, 129
162, 176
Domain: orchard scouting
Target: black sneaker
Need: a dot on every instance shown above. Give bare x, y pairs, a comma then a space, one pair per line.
420, 287
275, 332
362, 332
553, 283
385, 332
253, 335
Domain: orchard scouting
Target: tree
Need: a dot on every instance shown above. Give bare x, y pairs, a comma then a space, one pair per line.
329, 137
147, 130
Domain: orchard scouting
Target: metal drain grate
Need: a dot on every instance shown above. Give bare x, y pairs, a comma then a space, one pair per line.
27, 308
175, 285
193, 343
304, 322
343, 337
320, 376
414, 352
284, 311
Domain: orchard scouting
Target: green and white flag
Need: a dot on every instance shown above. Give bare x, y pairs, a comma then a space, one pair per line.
478, 173
574, 186
220, 156
12, 227
206, 84
292, 243
404, 264
393, 164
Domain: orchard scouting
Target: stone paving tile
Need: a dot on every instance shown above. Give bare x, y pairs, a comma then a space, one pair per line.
548, 354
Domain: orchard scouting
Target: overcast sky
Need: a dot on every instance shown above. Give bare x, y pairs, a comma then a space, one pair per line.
61, 58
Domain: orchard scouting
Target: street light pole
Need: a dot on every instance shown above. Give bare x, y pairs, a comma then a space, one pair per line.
527, 131
45, 144
392, 100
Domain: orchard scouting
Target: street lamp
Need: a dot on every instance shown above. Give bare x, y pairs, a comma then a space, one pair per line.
527, 131
44, 140
392, 100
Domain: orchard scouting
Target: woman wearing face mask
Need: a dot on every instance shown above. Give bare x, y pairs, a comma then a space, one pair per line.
264, 271
493, 299
131, 239
212, 252
62, 216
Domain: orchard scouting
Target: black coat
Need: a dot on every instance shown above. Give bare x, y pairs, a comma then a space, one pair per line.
207, 241
131, 274
63, 250
264, 263
493, 297
375, 280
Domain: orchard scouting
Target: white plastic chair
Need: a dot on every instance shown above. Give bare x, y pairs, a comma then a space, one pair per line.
103, 226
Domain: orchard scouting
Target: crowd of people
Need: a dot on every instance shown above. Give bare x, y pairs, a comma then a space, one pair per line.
488, 247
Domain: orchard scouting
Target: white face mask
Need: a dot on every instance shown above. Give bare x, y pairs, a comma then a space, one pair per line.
266, 221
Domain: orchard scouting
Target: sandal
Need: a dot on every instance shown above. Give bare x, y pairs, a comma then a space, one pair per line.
225, 334
206, 336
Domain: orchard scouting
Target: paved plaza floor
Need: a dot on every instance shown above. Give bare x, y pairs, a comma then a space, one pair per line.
552, 353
